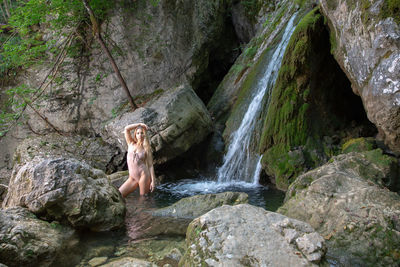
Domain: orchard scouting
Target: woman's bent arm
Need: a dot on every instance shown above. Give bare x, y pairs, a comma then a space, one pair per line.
130, 127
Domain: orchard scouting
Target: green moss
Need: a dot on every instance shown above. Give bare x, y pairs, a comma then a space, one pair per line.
299, 114
376, 156
391, 8
284, 165
358, 145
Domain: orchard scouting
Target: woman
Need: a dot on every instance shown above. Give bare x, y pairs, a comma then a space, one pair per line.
139, 159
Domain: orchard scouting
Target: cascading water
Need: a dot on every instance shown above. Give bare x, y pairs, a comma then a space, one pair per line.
239, 162
241, 168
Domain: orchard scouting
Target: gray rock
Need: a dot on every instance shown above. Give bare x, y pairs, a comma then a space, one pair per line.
345, 203
129, 262
368, 49
93, 151
192, 207
159, 46
28, 241
97, 261
175, 219
245, 235
177, 120
67, 190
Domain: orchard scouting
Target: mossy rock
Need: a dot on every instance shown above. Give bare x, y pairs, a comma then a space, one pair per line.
304, 111
359, 145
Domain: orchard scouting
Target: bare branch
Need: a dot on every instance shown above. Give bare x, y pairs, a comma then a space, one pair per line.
96, 33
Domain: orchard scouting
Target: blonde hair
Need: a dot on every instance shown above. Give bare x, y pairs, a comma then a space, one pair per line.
146, 142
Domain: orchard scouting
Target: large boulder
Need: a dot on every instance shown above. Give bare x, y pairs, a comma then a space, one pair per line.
67, 190
174, 219
28, 241
346, 202
177, 120
245, 235
192, 207
92, 150
366, 43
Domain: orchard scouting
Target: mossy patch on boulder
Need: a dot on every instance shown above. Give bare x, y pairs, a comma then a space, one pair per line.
359, 145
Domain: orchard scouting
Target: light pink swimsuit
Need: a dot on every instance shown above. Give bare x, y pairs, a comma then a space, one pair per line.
137, 164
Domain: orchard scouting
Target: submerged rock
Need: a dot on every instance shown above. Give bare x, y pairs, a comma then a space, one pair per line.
345, 201
129, 261
28, 241
177, 120
161, 251
67, 190
192, 207
245, 235
365, 40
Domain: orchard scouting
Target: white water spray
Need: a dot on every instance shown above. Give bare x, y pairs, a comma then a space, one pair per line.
239, 162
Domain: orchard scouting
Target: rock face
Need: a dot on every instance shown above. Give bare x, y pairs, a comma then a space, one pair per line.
67, 190
157, 45
366, 43
28, 241
177, 120
156, 51
308, 107
192, 207
93, 151
244, 235
342, 201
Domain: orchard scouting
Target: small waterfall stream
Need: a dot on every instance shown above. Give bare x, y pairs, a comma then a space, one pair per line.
241, 167
240, 164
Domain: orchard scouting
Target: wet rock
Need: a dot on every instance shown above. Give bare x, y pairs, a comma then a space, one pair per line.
366, 43
166, 250
67, 190
174, 219
128, 261
245, 235
93, 151
192, 207
346, 203
97, 261
118, 178
177, 120
28, 241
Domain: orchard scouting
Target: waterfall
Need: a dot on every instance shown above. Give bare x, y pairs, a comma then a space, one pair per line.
239, 163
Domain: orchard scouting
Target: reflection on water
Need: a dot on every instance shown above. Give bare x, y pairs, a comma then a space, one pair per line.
141, 224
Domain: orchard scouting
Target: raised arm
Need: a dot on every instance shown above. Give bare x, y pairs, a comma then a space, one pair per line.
131, 127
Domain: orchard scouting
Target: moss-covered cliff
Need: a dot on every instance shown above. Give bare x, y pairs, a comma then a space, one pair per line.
311, 102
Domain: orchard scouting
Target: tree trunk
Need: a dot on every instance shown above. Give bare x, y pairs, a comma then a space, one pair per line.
96, 33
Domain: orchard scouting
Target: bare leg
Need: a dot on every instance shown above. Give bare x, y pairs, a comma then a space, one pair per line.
128, 187
144, 184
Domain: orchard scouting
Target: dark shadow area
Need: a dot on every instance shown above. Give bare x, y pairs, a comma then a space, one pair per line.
223, 54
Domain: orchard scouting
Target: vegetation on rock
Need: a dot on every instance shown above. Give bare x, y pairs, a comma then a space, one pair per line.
304, 111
